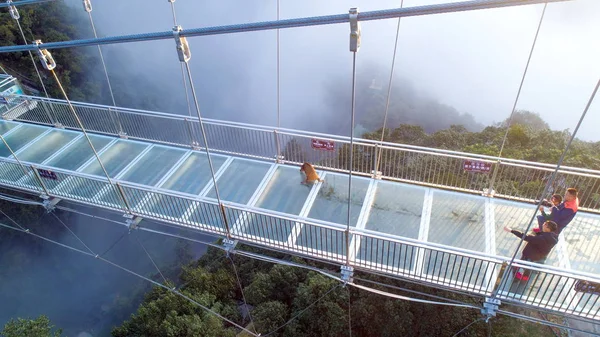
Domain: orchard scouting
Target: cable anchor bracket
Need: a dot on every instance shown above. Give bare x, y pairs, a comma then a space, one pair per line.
183, 48
132, 221
12, 9
229, 245
87, 5
490, 307
347, 274
355, 33
45, 56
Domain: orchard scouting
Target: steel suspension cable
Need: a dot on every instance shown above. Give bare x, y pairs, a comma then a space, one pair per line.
80, 124
389, 92
278, 75
242, 291
303, 310
37, 71
151, 259
512, 113
351, 157
89, 11
291, 23
548, 184
187, 95
466, 327
173, 290
204, 138
514, 106
75, 235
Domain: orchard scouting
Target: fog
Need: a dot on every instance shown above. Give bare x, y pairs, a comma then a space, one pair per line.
470, 61
77, 292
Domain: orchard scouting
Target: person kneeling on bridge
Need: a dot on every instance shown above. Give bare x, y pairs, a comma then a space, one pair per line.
563, 213
538, 246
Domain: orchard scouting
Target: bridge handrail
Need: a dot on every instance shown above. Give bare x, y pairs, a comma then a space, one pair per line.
345, 139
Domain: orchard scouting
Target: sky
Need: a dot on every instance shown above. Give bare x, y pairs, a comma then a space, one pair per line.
472, 61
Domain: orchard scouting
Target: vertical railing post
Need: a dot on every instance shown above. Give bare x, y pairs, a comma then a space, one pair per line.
40, 181
122, 194
490, 191
193, 142
50, 117
225, 220
278, 156
114, 115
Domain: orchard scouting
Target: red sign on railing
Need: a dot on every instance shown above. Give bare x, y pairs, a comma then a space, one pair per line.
477, 166
47, 174
321, 144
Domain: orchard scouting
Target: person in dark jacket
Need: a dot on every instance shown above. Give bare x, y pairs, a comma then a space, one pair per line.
538, 246
564, 212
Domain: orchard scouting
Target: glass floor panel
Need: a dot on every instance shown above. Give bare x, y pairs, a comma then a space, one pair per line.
6, 126
513, 215
457, 220
47, 146
397, 209
284, 193
20, 137
78, 153
240, 180
115, 158
582, 237
153, 165
331, 203
193, 174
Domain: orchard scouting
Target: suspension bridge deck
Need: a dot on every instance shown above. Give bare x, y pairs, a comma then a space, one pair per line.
444, 237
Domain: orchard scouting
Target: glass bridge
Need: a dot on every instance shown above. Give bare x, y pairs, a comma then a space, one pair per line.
404, 222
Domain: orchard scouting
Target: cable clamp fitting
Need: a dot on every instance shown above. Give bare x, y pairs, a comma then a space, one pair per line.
354, 30
347, 274
229, 245
12, 9
45, 56
171, 1
182, 46
87, 5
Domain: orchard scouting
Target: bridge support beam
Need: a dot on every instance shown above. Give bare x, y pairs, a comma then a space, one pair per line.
490, 307
347, 274
132, 221
50, 203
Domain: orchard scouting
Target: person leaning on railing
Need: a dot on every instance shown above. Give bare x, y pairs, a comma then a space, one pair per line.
538, 246
564, 212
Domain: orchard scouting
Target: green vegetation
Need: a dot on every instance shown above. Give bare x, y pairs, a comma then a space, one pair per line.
277, 293
39, 327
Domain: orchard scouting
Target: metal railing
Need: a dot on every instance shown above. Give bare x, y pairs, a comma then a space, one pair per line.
448, 267
516, 179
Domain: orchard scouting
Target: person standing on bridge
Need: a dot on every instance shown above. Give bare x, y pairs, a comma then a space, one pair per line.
538, 246
564, 212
